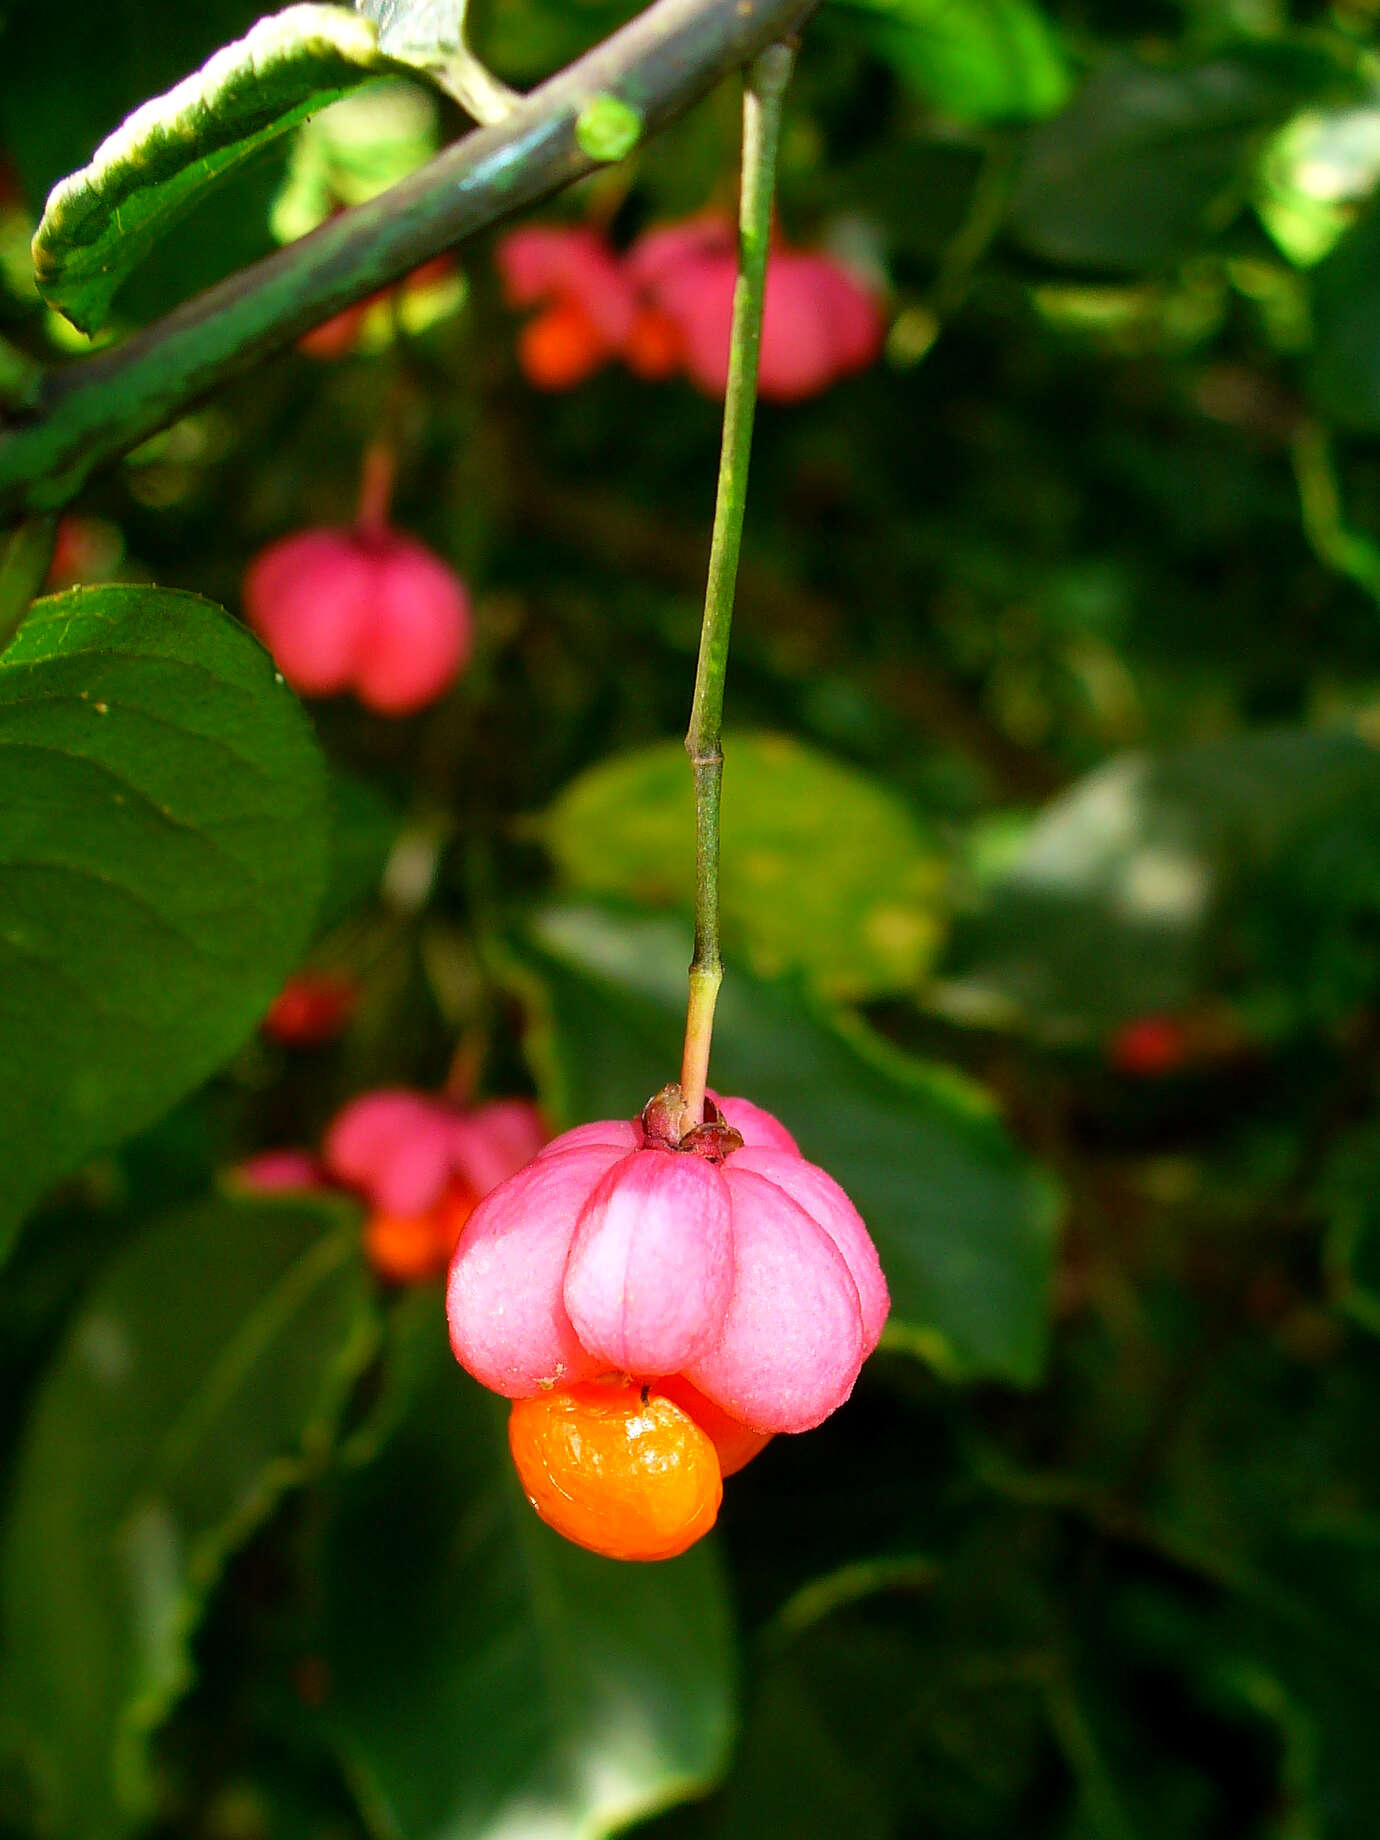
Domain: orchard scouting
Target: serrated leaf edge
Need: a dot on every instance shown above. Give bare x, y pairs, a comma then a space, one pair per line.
171, 131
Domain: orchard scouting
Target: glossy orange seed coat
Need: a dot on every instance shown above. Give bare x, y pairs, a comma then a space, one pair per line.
622, 1476
736, 1443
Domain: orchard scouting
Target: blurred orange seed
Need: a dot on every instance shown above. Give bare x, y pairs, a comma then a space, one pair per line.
560, 347
628, 1476
402, 1248
655, 345
413, 1248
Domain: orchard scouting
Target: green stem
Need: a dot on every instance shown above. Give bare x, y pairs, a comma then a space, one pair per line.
766, 87
377, 476
26, 553
91, 412
1324, 521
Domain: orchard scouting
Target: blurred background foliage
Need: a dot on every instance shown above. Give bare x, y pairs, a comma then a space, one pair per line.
1052, 899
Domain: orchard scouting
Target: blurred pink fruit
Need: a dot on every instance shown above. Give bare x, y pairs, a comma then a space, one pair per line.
422, 1164
589, 309
366, 610
819, 321
276, 1172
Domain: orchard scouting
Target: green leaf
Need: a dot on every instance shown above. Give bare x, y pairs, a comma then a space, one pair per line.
352, 151
364, 828
163, 836
963, 1223
824, 870
1257, 850
1316, 174
1149, 161
101, 222
203, 1377
913, 1714
488, 1678
1269, 1480
981, 60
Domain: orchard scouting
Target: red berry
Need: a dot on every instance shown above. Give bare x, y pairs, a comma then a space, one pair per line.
1149, 1047
311, 1009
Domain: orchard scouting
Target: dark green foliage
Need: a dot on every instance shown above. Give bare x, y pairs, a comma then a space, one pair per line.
201, 1379
162, 850
501, 1675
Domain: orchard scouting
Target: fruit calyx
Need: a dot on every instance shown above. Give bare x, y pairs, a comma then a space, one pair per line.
669, 1124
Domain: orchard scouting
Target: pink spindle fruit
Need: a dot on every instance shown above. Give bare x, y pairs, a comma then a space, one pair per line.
367, 610
588, 306
819, 322
423, 1164
280, 1172
722, 1257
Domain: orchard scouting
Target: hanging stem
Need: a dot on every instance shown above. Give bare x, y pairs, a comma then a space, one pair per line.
1332, 540
766, 86
378, 473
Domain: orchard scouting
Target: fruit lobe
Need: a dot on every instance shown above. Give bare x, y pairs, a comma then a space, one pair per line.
749, 1272
366, 610
616, 1468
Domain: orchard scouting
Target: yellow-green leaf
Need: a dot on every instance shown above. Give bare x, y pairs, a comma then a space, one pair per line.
825, 871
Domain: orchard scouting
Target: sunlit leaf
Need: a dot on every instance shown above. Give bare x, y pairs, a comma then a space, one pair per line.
352, 151
100, 223
163, 840
487, 1678
1125, 888
824, 871
982, 60
202, 1377
963, 1223
416, 31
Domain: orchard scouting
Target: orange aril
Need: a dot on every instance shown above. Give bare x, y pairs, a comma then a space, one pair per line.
736, 1443
402, 1248
655, 345
411, 1248
449, 1216
336, 337
560, 347
616, 1468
